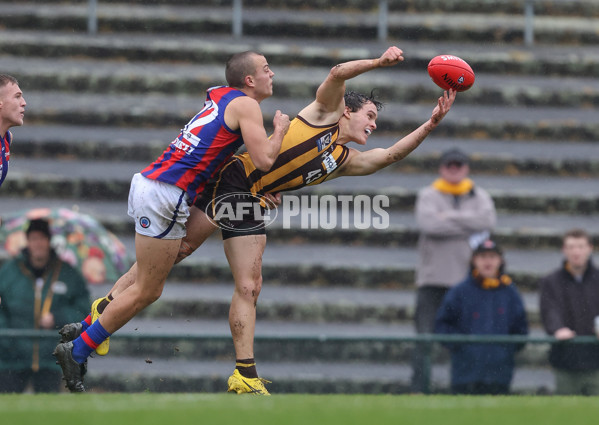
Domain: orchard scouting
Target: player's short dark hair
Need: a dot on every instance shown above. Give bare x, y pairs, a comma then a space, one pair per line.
6, 79
355, 101
238, 67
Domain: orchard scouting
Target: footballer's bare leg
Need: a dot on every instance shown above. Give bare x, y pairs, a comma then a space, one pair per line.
199, 228
244, 254
155, 259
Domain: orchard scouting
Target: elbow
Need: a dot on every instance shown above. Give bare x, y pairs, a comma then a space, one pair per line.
264, 164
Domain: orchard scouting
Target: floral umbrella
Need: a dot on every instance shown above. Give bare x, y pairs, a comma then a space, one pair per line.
79, 239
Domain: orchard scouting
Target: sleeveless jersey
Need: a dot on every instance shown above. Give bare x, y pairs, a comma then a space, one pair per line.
308, 156
5, 155
202, 146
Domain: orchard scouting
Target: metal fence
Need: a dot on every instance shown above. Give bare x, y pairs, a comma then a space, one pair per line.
382, 25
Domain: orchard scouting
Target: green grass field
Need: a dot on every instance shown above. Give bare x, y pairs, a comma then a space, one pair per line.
178, 409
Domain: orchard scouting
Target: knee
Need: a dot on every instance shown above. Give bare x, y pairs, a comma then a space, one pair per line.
148, 296
185, 250
250, 288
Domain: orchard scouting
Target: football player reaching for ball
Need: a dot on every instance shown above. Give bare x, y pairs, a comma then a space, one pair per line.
313, 150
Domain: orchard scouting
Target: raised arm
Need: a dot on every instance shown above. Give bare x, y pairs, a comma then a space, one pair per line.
245, 113
328, 106
370, 161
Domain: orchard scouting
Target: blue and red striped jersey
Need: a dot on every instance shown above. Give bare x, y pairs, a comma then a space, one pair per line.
4, 155
202, 146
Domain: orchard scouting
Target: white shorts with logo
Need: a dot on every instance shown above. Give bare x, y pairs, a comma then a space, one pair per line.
160, 210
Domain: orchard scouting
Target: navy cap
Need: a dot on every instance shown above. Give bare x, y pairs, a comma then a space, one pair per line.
454, 155
487, 246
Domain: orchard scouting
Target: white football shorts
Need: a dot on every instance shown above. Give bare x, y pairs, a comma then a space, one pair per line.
160, 210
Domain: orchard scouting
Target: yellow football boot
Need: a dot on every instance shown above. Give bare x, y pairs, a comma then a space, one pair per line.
240, 384
102, 349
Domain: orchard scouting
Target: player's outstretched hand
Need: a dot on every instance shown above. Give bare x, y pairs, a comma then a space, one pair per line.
392, 56
443, 106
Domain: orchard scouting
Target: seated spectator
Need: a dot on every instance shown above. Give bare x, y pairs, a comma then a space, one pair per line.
485, 303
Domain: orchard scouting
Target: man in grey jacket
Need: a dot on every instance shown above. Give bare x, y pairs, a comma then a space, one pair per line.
453, 215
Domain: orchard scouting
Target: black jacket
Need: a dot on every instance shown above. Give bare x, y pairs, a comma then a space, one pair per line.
568, 303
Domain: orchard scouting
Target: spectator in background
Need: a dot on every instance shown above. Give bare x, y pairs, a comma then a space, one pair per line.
453, 215
485, 303
37, 291
569, 307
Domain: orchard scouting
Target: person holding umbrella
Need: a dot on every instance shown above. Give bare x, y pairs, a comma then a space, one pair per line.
37, 291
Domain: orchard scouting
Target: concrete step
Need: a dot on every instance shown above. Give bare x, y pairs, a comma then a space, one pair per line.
542, 7
318, 23
464, 121
143, 374
542, 60
290, 340
106, 180
92, 76
344, 265
295, 303
514, 230
488, 156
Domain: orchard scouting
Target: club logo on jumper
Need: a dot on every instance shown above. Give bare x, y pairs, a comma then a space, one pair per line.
324, 141
241, 211
144, 222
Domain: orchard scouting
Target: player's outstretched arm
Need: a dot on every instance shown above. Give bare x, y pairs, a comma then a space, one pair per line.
328, 106
263, 150
370, 161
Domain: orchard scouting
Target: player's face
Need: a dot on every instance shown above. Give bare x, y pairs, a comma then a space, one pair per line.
362, 123
12, 106
487, 264
577, 251
262, 77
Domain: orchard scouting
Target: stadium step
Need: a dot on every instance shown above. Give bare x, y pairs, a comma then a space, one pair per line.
488, 156
560, 8
532, 230
109, 180
74, 75
278, 341
466, 121
504, 59
350, 266
295, 303
315, 23
139, 374
100, 107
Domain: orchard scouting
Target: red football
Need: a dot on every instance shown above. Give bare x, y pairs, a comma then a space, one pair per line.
451, 72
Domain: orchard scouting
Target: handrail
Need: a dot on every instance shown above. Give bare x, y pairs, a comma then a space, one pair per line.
382, 26
422, 338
